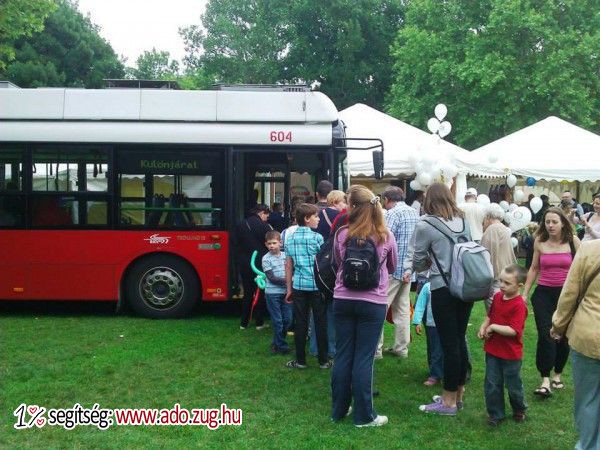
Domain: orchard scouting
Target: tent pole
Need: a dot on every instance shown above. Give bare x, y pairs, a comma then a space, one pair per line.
577, 189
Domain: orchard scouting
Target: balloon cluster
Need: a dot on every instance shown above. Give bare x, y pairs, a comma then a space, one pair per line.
432, 162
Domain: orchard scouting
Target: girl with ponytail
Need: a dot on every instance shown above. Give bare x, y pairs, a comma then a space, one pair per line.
359, 314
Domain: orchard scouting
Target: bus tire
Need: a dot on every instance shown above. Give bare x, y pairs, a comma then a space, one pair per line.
162, 287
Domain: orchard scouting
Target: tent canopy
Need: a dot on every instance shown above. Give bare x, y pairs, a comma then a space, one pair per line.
400, 140
552, 149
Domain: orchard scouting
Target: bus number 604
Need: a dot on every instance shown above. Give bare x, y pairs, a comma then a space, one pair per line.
280, 136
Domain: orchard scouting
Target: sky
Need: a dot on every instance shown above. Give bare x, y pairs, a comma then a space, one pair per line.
133, 26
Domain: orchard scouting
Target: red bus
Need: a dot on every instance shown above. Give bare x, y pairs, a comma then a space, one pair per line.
130, 195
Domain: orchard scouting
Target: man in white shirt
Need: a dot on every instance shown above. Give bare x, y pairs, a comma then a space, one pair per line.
474, 214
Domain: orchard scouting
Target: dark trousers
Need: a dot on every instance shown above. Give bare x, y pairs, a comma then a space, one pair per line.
249, 288
550, 354
451, 317
303, 302
499, 372
358, 326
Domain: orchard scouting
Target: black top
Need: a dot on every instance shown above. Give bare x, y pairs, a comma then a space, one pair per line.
251, 236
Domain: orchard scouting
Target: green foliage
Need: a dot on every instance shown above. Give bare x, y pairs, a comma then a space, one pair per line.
20, 18
68, 52
154, 65
343, 45
499, 65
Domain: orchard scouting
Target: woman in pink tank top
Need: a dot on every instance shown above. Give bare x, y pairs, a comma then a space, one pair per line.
553, 251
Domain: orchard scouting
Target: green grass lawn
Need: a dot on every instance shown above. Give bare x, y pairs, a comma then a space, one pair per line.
56, 356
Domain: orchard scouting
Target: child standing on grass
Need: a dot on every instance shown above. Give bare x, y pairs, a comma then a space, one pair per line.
300, 251
435, 356
503, 334
273, 264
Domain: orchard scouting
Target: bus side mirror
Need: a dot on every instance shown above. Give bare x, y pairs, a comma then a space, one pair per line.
378, 164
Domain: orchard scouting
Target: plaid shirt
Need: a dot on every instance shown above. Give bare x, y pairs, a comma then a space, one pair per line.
401, 221
302, 247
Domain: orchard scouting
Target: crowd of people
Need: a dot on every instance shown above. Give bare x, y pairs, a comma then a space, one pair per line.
380, 247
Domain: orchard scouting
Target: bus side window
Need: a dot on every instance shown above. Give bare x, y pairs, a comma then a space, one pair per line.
48, 212
158, 201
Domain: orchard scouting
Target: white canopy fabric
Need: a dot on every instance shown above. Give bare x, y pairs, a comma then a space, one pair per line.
400, 141
552, 149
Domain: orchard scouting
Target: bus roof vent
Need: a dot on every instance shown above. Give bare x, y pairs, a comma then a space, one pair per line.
8, 85
262, 87
141, 84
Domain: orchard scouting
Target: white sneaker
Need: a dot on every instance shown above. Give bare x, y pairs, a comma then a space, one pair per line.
377, 422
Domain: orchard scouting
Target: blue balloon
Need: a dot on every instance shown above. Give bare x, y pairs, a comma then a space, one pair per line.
530, 181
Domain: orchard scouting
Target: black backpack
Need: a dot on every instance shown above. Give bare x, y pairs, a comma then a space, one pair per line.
361, 264
325, 268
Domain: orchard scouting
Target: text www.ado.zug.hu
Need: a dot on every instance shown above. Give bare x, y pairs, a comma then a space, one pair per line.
29, 416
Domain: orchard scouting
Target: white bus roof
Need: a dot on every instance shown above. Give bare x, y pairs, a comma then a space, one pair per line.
166, 105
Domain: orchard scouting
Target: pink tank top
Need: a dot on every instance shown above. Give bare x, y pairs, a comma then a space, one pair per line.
554, 268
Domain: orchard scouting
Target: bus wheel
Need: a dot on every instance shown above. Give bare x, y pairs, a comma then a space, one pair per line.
162, 287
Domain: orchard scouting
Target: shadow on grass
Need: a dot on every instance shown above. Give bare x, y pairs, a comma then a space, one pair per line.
104, 309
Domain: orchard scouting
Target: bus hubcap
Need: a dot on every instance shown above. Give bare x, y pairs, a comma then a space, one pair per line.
161, 287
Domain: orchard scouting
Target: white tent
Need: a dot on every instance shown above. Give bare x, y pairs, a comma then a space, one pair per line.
400, 141
551, 149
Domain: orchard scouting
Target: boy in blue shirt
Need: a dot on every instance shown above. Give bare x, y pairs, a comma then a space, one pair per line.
300, 250
435, 356
273, 264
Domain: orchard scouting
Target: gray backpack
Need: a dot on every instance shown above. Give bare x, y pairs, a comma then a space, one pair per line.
471, 272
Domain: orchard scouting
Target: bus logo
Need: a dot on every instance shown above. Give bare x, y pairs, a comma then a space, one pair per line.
156, 239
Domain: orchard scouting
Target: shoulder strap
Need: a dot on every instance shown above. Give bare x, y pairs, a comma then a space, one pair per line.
592, 278
437, 262
572, 247
326, 217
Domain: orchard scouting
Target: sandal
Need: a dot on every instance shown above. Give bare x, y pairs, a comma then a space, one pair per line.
557, 384
543, 392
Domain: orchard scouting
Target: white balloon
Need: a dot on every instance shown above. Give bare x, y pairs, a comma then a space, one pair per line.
424, 178
520, 218
514, 241
536, 204
416, 186
412, 159
449, 170
483, 199
507, 217
512, 207
511, 180
492, 159
440, 111
504, 205
433, 125
519, 195
445, 129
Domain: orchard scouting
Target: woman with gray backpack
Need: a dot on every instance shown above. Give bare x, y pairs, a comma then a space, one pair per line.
441, 238
365, 253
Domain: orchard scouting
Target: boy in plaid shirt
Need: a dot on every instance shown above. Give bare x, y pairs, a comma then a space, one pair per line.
300, 251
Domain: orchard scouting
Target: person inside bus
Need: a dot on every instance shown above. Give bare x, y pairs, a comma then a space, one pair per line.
251, 237
48, 212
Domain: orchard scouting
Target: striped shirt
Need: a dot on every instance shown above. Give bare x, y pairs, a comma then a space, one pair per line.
401, 221
302, 247
276, 263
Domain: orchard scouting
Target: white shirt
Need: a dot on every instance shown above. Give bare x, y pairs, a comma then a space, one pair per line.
474, 213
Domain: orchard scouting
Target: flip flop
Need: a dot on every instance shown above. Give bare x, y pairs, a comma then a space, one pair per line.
557, 384
543, 392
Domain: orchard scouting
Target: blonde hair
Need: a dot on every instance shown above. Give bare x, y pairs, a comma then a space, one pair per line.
335, 197
365, 218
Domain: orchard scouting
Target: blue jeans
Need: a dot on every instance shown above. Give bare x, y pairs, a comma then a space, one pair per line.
281, 319
358, 325
435, 355
330, 333
499, 372
586, 379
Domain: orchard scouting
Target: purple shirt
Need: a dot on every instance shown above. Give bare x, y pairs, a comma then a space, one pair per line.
388, 256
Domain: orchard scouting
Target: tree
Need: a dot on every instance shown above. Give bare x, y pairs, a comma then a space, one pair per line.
343, 44
499, 65
155, 65
20, 18
68, 52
